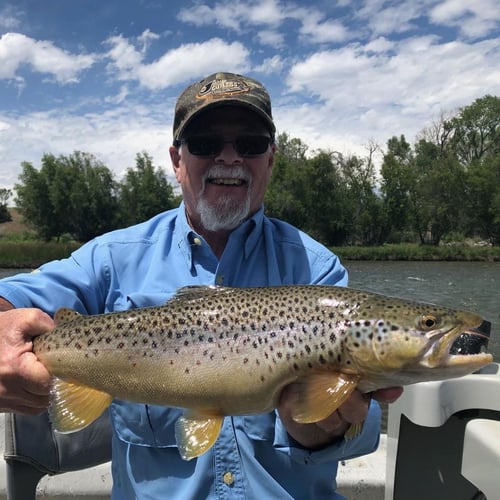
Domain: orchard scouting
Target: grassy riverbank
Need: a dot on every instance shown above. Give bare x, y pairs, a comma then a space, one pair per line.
32, 253
19, 249
415, 252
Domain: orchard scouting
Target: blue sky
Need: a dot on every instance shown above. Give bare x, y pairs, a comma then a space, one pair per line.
103, 76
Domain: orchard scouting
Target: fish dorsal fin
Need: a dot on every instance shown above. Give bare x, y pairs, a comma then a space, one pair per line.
65, 314
317, 396
74, 407
194, 292
196, 433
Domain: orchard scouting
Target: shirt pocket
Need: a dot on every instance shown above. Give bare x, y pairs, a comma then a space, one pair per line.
145, 425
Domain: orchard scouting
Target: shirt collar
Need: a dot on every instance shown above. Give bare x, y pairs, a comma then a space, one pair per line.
247, 234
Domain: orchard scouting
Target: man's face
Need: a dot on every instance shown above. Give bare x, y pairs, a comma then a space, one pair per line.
221, 189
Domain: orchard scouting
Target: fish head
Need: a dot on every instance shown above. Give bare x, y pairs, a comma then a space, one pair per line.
397, 342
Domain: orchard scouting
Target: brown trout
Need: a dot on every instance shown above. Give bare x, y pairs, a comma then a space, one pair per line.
219, 351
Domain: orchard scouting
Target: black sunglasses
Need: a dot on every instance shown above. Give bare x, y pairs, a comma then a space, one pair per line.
211, 145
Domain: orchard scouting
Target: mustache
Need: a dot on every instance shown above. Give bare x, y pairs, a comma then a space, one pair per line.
218, 171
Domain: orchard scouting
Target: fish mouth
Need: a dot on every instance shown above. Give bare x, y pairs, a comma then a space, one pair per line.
459, 347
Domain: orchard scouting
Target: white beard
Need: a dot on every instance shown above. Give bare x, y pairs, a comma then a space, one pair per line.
228, 213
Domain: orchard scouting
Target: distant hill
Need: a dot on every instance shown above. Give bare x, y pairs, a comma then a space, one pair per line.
15, 226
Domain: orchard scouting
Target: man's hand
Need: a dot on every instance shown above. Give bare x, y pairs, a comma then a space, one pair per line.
24, 381
332, 428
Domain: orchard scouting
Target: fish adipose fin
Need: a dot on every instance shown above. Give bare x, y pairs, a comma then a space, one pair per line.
318, 395
196, 433
73, 407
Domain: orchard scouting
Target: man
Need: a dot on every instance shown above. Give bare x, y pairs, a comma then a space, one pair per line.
222, 155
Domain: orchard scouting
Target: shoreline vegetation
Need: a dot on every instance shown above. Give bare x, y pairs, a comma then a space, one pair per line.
19, 249
31, 254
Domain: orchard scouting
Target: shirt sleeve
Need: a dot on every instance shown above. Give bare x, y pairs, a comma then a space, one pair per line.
74, 282
366, 442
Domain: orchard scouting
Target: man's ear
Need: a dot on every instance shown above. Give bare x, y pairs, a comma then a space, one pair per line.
175, 158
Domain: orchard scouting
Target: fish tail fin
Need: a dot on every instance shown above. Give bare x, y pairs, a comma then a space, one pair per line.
196, 433
73, 407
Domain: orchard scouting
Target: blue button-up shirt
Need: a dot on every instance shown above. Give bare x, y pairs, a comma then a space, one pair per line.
144, 265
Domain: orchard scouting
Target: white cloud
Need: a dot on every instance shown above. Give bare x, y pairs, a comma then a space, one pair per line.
387, 88
114, 137
43, 56
270, 65
10, 17
234, 14
314, 27
271, 38
177, 65
473, 19
316, 30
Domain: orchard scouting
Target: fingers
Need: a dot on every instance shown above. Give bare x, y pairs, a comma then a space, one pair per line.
24, 381
388, 395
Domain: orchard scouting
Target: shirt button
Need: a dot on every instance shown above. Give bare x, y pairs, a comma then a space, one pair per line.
228, 478
219, 280
197, 241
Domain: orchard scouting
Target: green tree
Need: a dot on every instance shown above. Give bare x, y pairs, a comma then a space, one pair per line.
438, 194
475, 131
5, 195
474, 139
72, 195
145, 192
483, 198
364, 207
288, 189
397, 185
329, 219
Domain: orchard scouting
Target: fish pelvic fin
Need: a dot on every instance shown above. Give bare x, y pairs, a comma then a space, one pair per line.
317, 396
354, 431
73, 407
196, 433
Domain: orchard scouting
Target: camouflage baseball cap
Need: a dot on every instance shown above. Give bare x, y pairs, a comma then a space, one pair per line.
222, 89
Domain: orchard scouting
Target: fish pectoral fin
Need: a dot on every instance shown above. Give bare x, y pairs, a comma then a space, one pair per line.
73, 407
318, 395
196, 433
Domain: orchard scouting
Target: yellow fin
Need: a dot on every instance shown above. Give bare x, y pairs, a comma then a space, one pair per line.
318, 395
354, 431
74, 407
65, 314
196, 433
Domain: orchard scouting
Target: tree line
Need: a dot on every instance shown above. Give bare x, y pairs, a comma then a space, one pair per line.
445, 185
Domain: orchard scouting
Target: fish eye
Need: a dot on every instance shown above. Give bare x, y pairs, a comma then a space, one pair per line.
428, 322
